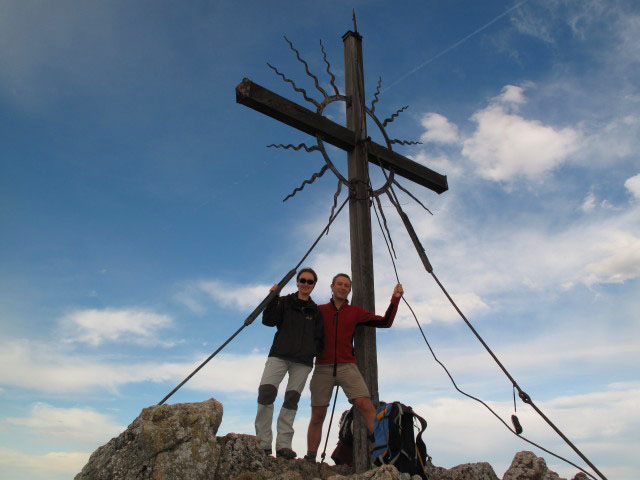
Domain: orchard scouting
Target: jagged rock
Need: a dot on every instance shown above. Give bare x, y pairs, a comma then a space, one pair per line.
241, 458
385, 472
526, 466
179, 442
240, 453
467, 471
164, 442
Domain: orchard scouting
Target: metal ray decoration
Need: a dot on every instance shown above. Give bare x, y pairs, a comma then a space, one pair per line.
320, 107
394, 116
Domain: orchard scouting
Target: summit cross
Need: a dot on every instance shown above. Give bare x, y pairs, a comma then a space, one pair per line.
360, 151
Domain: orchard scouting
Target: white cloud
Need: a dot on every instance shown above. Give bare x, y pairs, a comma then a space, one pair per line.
440, 163
493, 257
228, 373
52, 466
607, 438
525, 21
128, 326
633, 186
238, 297
617, 139
69, 424
436, 308
438, 129
189, 296
42, 367
558, 352
506, 146
197, 295
620, 262
580, 254
543, 20
627, 29
589, 203
511, 94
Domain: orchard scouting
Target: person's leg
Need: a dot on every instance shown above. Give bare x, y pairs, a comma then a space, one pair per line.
321, 386
298, 374
274, 371
314, 433
365, 407
354, 386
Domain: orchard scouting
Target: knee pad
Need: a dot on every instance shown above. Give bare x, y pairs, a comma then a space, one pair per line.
291, 399
267, 394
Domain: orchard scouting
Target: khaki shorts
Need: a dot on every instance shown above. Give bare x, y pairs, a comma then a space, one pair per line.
348, 377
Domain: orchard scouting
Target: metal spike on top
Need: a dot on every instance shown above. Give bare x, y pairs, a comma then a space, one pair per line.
355, 25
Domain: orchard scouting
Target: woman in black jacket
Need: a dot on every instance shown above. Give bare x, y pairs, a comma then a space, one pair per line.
298, 339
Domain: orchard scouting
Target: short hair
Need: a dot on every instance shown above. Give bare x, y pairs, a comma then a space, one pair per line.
308, 270
333, 282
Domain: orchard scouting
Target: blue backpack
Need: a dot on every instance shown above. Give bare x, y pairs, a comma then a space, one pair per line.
395, 440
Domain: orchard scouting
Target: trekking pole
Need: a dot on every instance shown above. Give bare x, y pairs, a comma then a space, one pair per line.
326, 440
253, 315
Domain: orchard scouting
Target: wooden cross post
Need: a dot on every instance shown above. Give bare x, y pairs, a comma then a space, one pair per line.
351, 139
360, 234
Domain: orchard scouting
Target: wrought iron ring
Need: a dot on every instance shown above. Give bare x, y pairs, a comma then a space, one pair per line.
336, 172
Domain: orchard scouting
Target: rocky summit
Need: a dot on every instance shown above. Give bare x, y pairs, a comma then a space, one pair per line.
171, 442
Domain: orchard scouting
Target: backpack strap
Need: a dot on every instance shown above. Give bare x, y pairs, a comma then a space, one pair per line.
421, 449
423, 423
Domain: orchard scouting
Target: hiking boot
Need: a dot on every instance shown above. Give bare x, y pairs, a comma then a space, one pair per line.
286, 453
309, 458
267, 451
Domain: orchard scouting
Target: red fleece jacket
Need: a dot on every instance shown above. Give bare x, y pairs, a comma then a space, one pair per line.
340, 327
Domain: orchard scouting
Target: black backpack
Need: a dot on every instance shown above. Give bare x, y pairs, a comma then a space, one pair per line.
396, 442
343, 453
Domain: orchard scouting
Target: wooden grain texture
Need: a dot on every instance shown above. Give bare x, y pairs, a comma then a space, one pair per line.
284, 110
360, 236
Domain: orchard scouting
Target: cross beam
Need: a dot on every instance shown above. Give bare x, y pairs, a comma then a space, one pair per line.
265, 101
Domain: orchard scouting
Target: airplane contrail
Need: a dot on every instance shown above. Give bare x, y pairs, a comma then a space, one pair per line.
451, 47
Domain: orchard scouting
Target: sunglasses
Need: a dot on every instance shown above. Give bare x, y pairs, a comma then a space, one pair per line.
306, 280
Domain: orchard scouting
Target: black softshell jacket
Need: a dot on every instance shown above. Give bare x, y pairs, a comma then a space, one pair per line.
300, 335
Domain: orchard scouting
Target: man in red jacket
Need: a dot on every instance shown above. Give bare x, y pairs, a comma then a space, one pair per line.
336, 364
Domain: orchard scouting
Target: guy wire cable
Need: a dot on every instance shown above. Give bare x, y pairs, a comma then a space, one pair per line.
258, 310
523, 395
455, 385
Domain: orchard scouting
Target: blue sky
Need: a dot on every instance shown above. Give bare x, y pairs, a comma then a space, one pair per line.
141, 215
